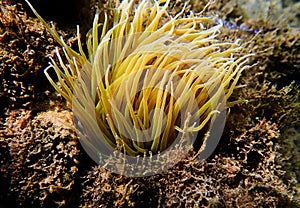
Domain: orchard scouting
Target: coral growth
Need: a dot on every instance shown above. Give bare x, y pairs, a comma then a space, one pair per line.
246, 172
24, 44
42, 157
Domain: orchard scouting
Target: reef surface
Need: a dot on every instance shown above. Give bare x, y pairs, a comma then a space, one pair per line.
256, 163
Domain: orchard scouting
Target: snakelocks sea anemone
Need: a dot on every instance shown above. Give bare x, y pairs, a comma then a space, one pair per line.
147, 85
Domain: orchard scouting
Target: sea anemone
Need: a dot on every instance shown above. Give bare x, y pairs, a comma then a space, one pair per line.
148, 80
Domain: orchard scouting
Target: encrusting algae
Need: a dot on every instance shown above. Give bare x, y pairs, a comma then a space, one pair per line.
150, 80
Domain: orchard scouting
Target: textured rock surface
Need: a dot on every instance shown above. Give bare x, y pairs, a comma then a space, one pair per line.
256, 163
